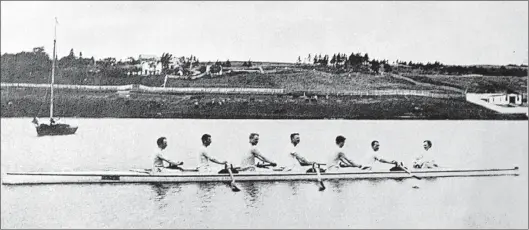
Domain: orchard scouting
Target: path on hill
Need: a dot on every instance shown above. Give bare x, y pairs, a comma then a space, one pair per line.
427, 84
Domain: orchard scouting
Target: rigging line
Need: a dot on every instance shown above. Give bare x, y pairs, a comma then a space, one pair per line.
46, 98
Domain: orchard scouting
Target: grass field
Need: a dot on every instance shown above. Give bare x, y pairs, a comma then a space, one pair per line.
477, 84
299, 80
28, 103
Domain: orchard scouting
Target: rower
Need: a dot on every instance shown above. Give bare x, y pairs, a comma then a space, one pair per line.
205, 157
297, 158
159, 157
425, 160
248, 163
339, 160
376, 156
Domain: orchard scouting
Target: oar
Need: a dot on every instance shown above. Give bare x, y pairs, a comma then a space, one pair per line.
232, 183
408, 171
320, 182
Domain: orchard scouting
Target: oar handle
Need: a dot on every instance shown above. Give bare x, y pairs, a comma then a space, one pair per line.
262, 165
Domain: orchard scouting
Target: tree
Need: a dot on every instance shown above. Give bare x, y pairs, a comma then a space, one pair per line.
227, 63
325, 60
72, 55
80, 55
387, 67
107, 62
338, 59
165, 60
333, 60
26, 67
366, 58
375, 66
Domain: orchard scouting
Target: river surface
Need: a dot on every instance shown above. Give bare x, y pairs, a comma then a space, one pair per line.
122, 144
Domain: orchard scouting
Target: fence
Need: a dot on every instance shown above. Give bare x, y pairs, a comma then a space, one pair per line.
73, 87
142, 88
199, 90
218, 90
398, 92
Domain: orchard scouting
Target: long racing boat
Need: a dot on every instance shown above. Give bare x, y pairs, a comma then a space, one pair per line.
144, 176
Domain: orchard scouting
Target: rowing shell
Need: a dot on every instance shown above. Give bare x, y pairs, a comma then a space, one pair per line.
140, 176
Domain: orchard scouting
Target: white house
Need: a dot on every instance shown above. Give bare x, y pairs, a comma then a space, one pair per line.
503, 98
151, 67
150, 64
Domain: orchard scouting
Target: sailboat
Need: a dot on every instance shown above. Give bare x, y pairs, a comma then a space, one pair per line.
54, 127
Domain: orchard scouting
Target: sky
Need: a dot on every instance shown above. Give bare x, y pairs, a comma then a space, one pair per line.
459, 33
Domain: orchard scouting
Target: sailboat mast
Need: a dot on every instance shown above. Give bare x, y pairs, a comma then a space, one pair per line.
53, 68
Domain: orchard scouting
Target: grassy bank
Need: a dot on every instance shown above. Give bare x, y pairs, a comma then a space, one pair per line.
30, 102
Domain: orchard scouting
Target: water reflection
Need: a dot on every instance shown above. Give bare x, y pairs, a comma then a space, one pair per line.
376, 181
294, 186
252, 192
205, 193
161, 191
337, 185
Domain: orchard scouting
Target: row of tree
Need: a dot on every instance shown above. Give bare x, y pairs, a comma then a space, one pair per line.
355, 62
35, 66
362, 63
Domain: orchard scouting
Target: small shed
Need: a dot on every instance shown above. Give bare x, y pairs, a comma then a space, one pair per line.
504, 99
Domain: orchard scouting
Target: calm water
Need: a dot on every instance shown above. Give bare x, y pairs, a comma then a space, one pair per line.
121, 144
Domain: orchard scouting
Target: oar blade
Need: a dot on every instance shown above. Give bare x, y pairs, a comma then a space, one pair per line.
234, 187
321, 185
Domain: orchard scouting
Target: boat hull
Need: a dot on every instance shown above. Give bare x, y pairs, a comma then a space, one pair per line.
103, 177
54, 130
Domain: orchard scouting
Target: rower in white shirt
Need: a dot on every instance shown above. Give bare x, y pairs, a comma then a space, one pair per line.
339, 159
297, 160
248, 162
425, 159
159, 157
375, 156
205, 156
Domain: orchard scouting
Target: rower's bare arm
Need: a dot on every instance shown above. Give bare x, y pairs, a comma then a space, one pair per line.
213, 159
352, 163
301, 159
169, 161
386, 161
259, 156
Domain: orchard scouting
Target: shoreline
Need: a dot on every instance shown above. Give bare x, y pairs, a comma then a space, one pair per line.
80, 104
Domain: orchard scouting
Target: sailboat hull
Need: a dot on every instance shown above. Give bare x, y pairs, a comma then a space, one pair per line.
56, 129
